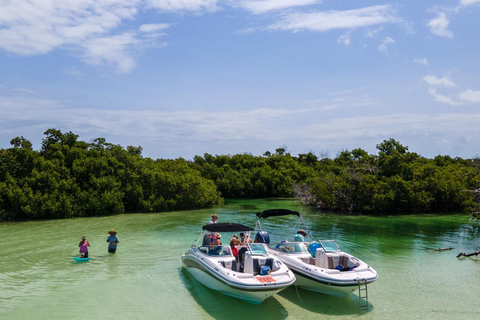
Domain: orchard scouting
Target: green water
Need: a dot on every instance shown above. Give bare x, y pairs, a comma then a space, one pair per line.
145, 278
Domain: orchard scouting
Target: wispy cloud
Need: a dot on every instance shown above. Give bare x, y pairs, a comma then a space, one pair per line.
383, 46
345, 38
422, 61
111, 50
373, 33
263, 6
439, 82
154, 27
213, 131
329, 20
443, 99
439, 26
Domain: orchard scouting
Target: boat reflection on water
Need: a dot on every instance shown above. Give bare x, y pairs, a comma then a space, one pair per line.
220, 306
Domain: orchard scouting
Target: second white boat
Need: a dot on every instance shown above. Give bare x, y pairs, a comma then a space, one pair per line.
318, 265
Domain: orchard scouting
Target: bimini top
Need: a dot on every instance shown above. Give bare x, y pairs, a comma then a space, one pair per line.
226, 227
276, 212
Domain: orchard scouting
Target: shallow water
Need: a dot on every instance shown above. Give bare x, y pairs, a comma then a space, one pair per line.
145, 278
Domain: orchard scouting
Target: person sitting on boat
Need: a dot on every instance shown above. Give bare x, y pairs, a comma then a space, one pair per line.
214, 219
300, 236
243, 241
233, 244
218, 241
84, 244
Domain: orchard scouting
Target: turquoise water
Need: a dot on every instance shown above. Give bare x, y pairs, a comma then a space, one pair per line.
145, 278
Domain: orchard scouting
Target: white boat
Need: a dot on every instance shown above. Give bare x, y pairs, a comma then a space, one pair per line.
255, 277
318, 265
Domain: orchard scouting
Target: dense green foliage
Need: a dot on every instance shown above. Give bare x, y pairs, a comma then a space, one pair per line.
394, 181
68, 178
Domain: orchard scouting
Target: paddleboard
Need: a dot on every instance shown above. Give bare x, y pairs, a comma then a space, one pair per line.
81, 259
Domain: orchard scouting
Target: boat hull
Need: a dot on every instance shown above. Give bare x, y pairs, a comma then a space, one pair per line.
253, 297
250, 290
323, 287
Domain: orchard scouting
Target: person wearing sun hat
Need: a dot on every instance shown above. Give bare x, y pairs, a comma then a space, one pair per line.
300, 236
214, 219
112, 241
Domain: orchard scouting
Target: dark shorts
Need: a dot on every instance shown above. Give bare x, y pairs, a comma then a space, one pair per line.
111, 250
85, 255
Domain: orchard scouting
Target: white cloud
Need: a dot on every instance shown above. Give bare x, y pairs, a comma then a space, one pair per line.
38, 27
262, 6
468, 2
443, 99
383, 46
439, 25
439, 82
423, 61
330, 20
470, 95
345, 38
111, 50
184, 5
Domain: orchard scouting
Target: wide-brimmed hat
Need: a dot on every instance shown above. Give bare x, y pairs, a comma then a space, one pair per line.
219, 235
302, 232
112, 231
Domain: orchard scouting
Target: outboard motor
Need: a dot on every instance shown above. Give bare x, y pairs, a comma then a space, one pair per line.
262, 237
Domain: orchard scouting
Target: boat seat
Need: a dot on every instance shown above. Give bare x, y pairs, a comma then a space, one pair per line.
248, 264
329, 260
260, 262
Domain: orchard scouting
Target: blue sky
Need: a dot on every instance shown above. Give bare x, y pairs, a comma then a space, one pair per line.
187, 77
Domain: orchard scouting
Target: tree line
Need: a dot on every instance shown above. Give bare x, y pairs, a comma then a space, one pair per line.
69, 178
72, 178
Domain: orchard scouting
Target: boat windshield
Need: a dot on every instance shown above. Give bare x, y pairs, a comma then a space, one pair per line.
257, 248
292, 247
223, 250
329, 245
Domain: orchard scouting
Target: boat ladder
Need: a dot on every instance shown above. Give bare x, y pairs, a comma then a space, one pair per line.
362, 295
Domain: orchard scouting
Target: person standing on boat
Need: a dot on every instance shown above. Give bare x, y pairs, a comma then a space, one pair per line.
112, 241
214, 219
84, 244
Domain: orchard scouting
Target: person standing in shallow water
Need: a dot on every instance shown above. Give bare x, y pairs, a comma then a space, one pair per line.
112, 241
84, 244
